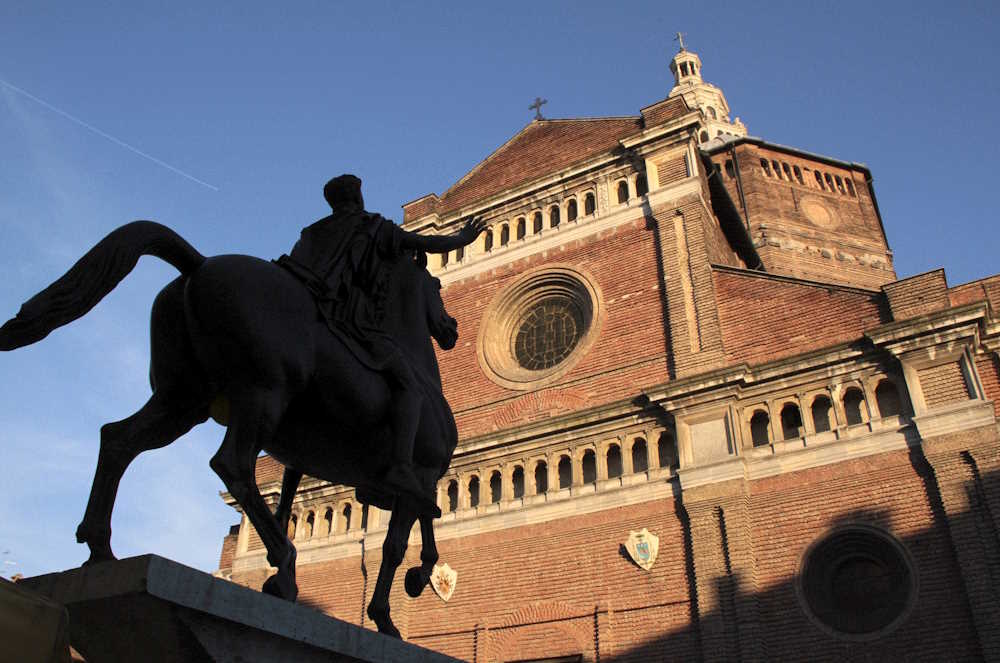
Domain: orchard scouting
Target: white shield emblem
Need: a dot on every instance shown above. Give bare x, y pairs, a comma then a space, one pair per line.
443, 580
642, 547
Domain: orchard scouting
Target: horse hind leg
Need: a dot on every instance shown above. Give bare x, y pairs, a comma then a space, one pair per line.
158, 423
253, 420
289, 484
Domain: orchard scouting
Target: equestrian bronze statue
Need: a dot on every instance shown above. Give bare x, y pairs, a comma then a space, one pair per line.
322, 358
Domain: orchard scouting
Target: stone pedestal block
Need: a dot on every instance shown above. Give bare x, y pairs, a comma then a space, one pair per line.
152, 609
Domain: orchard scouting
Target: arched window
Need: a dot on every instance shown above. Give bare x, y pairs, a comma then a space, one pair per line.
641, 187
703, 137
840, 184
496, 488
474, 492
347, 517
711, 113
517, 481
791, 421
730, 169
850, 187
310, 525
798, 174
293, 522
504, 235
684, 68
887, 399
640, 455
444, 259
614, 458
776, 168
452, 496
589, 204
565, 472
536, 223
819, 179
666, 449
589, 466
622, 191
488, 240
553, 216
829, 182
459, 254
821, 407
571, 210
766, 167
522, 228
759, 424
541, 478
328, 521
787, 171
853, 399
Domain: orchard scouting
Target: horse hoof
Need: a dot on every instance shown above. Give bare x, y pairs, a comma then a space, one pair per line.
383, 622
414, 582
273, 586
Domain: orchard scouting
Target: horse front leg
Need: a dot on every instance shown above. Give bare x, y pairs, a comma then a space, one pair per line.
417, 577
393, 551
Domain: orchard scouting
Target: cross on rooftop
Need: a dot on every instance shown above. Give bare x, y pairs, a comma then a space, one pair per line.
537, 107
680, 39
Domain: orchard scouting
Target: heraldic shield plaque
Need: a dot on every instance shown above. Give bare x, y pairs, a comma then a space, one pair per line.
643, 547
443, 580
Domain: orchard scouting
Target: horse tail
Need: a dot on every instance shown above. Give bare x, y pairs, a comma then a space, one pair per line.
94, 276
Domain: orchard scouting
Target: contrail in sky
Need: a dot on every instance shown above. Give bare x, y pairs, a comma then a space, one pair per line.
114, 140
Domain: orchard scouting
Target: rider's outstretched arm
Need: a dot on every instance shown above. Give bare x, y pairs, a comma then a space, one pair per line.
444, 243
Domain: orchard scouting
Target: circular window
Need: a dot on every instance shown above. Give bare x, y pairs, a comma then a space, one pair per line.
858, 582
538, 327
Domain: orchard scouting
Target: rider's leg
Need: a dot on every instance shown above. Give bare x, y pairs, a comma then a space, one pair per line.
404, 414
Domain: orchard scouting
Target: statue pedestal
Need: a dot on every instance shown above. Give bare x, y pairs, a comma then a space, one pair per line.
152, 609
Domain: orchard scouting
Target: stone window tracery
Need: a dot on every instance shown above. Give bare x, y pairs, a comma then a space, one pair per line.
760, 424
474, 492
791, 421
452, 496
821, 407
614, 461
640, 455
496, 487
622, 191
853, 400
565, 472
589, 466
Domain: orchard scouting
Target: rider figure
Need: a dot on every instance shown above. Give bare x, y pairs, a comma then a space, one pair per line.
344, 260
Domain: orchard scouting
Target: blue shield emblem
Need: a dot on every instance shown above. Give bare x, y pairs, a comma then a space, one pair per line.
642, 550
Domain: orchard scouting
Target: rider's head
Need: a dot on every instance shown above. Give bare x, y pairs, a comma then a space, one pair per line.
344, 192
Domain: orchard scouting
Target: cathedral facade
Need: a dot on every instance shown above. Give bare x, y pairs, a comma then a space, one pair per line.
700, 417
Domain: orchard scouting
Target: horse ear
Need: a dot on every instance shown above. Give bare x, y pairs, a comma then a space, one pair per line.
421, 259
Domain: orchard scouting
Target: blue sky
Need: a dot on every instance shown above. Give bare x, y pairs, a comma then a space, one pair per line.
262, 102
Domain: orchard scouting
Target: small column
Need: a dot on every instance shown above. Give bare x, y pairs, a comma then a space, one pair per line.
626, 455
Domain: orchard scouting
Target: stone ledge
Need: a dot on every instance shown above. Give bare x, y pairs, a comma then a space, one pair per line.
153, 609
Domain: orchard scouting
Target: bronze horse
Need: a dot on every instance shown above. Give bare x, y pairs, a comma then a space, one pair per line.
239, 339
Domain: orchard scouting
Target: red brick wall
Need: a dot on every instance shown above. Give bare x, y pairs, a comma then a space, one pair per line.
765, 318
917, 295
943, 384
988, 367
228, 552
987, 290
823, 252
629, 352
791, 511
